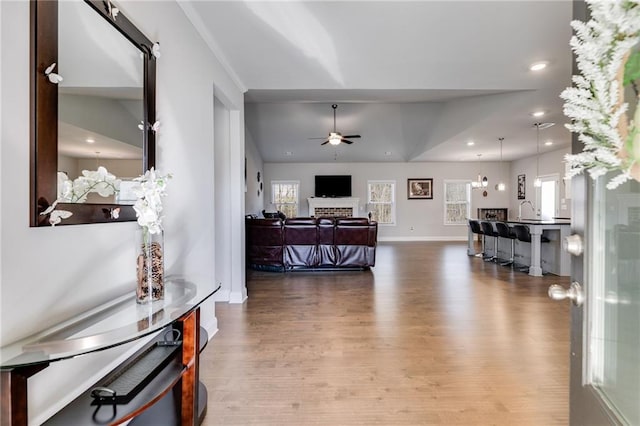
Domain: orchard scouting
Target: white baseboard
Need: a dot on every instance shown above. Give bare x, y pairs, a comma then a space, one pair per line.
425, 238
238, 296
211, 325
222, 295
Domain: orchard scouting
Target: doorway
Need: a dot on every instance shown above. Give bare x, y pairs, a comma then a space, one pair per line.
222, 199
548, 197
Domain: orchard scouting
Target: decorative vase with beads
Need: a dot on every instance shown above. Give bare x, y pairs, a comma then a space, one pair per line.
150, 266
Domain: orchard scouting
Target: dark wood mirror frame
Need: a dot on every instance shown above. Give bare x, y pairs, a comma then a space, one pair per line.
44, 114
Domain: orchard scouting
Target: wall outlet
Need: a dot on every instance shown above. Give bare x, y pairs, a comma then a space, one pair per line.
411, 228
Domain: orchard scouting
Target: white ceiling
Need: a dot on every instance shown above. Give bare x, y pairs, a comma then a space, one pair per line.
416, 79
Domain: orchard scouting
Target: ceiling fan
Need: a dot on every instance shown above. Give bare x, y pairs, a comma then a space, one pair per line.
335, 137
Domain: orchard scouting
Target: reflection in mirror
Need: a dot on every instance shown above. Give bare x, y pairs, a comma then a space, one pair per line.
100, 100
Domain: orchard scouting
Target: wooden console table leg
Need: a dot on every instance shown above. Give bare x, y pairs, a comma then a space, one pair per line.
13, 384
190, 359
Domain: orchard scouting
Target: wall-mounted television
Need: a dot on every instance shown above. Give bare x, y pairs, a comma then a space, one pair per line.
333, 186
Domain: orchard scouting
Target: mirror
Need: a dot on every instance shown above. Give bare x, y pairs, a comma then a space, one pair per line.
100, 100
91, 118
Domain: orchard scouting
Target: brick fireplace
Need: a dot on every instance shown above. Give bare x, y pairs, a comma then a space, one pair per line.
339, 207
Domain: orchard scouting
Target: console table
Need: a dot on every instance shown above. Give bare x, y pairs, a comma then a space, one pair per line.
109, 325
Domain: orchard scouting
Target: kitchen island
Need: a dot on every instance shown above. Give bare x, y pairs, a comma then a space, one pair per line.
539, 257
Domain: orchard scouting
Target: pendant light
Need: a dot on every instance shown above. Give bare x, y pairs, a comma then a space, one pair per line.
481, 182
538, 182
501, 185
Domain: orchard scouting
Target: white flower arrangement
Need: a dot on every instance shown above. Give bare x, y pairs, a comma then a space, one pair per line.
150, 189
603, 48
76, 191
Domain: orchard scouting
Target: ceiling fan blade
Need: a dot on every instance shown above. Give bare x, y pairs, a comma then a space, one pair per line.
324, 143
346, 141
351, 136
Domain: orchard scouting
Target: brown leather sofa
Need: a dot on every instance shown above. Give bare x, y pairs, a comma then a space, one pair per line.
311, 243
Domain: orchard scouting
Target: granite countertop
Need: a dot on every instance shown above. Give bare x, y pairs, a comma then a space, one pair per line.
532, 221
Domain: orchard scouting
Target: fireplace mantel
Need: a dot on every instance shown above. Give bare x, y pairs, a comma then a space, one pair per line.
341, 202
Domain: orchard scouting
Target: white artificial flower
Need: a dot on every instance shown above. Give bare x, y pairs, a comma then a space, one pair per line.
52, 76
76, 191
150, 189
65, 188
56, 216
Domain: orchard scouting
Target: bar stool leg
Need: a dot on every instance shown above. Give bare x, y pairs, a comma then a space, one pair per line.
495, 249
493, 258
510, 262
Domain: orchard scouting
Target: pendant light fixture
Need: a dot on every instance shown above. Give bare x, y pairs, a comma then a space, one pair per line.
501, 185
482, 182
538, 182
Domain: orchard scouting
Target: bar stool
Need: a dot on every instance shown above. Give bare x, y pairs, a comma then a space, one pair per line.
505, 232
523, 234
487, 229
476, 229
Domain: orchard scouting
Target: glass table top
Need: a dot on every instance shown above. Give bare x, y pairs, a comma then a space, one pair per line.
114, 323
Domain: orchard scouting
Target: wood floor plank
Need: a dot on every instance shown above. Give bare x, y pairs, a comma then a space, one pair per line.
430, 336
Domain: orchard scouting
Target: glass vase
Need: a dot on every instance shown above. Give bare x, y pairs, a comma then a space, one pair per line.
150, 266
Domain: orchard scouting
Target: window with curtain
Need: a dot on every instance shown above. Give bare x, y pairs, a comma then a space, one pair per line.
381, 200
457, 202
284, 196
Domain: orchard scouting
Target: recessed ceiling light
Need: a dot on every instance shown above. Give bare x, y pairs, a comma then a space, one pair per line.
537, 113
471, 143
538, 66
90, 140
548, 143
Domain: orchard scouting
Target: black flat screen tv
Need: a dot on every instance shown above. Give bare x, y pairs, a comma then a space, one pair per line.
333, 186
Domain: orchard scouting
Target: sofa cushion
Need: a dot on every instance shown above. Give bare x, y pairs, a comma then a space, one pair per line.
300, 242
351, 231
265, 240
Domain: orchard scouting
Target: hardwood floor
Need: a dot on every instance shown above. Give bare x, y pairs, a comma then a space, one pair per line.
429, 336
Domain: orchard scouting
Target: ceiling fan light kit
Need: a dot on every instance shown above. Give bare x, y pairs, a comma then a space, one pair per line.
335, 137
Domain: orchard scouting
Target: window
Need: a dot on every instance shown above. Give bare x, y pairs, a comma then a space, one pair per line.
284, 196
457, 202
382, 201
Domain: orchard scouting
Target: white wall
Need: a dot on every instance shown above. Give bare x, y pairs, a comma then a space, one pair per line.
425, 216
50, 274
550, 163
124, 169
93, 114
254, 197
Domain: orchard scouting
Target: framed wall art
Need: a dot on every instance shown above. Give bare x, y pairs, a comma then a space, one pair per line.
420, 189
522, 186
